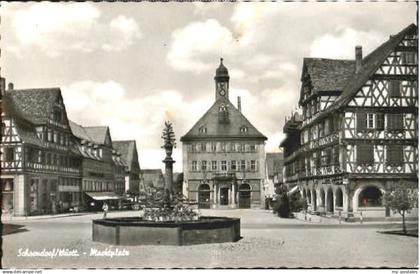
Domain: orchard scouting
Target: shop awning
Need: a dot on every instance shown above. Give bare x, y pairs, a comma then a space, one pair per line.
100, 196
293, 190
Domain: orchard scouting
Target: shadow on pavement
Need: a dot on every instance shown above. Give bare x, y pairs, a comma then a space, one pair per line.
12, 228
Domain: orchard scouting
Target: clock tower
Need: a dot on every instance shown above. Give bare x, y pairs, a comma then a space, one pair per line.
222, 81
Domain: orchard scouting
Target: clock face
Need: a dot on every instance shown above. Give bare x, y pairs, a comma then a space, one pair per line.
222, 89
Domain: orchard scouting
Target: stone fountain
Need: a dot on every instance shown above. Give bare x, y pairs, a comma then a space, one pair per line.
169, 221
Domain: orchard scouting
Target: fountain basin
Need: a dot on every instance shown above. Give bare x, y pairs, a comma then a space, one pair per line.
136, 231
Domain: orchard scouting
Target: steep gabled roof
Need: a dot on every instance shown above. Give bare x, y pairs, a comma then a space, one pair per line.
210, 120
369, 66
35, 105
79, 131
127, 149
98, 134
328, 74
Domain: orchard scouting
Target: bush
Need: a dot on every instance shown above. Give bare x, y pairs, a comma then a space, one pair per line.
284, 204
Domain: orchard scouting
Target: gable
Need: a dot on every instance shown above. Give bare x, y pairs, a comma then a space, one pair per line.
210, 124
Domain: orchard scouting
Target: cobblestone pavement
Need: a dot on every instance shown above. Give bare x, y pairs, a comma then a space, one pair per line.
267, 241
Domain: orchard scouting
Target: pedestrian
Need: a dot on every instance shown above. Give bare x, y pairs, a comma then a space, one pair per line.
361, 217
105, 209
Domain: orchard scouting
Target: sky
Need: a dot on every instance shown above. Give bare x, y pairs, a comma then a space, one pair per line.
131, 66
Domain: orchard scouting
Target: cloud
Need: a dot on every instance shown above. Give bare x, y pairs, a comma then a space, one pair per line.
107, 103
191, 44
58, 28
341, 43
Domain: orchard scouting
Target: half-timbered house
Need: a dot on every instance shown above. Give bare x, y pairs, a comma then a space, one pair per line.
40, 165
359, 134
224, 155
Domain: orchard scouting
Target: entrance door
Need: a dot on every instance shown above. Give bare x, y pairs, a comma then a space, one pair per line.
204, 196
244, 196
224, 196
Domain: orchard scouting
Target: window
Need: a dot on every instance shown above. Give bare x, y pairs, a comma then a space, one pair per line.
370, 121
321, 130
243, 129
361, 121
233, 165
327, 127
194, 166
222, 108
233, 147
213, 147
394, 88
408, 58
380, 123
364, 154
224, 166
243, 165
242, 147
203, 165
9, 154
50, 136
202, 130
203, 147
253, 165
336, 156
193, 148
213, 165
394, 155
252, 148
222, 146
395, 122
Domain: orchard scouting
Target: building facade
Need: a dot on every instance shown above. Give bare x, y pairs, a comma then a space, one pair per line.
103, 170
224, 155
274, 173
128, 150
40, 164
358, 134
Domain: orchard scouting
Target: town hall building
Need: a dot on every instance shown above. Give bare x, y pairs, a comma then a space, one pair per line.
224, 155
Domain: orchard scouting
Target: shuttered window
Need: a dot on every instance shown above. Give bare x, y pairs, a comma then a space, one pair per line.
408, 58
364, 154
394, 154
361, 121
394, 88
395, 122
380, 123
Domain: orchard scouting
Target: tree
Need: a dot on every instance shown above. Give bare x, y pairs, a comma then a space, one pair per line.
281, 205
297, 202
401, 199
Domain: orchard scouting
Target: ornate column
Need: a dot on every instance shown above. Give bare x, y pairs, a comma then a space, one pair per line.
168, 136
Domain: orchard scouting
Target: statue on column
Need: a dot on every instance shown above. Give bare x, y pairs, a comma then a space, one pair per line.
169, 144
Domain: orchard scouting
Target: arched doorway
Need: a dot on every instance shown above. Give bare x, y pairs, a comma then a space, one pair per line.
330, 201
370, 197
322, 194
314, 205
339, 197
244, 196
204, 196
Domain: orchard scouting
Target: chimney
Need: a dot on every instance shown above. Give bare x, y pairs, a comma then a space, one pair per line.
239, 104
359, 57
10, 86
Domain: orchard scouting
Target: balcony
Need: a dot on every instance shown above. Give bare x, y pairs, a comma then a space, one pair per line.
226, 175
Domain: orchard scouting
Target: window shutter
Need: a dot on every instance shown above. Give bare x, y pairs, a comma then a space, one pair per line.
380, 121
361, 121
394, 154
364, 154
395, 122
394, 88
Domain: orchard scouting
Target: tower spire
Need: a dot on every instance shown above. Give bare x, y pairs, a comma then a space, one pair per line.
222, 81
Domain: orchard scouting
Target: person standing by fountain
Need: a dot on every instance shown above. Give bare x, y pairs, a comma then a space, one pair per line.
105, 209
